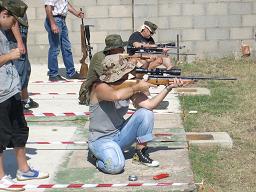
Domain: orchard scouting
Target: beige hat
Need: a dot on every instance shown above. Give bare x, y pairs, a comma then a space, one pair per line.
115, 67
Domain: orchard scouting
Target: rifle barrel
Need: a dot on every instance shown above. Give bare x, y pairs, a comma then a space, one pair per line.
193, 77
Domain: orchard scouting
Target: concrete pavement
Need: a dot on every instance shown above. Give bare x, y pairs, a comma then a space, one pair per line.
53, 158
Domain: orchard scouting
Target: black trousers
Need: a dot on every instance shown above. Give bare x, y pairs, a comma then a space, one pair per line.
13, 126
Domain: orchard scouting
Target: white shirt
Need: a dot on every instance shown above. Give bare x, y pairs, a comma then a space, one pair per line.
60, 7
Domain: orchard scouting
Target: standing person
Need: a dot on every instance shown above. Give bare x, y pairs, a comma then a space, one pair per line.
109, 132
143, 39
55, 25
18, 38
13, 126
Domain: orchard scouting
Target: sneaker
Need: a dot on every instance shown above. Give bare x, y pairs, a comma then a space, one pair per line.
7, 181
75, 76
56, 78
31, 174
142, 157
29, 104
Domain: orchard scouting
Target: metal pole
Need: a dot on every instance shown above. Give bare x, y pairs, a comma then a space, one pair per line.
178, 47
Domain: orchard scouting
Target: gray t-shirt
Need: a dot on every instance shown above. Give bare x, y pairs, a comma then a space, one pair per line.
106, 118
9, 77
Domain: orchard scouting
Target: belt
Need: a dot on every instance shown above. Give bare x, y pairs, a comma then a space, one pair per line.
60, 16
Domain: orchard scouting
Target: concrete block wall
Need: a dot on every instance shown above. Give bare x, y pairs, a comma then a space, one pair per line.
206, 27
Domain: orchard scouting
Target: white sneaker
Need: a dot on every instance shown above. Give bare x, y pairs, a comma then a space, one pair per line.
5, 182
31, 174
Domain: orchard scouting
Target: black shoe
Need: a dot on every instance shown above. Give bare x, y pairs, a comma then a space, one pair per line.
29, 104
142, 157
91, 158
56, 78
75, 76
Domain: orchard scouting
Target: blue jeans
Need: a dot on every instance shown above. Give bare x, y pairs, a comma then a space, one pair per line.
59, 41
108, 150
22, 64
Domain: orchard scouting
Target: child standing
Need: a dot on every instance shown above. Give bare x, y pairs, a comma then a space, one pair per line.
13, 126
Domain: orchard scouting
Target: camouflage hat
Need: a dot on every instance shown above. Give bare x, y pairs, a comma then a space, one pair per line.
17, 8
115, 67
151, 26
114, 41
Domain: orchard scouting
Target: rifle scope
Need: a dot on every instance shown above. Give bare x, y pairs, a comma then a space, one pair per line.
158, 71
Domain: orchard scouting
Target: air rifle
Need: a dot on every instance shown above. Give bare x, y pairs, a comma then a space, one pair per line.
85, 47
164, 80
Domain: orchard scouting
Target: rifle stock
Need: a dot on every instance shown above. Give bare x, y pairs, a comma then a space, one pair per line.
84, 65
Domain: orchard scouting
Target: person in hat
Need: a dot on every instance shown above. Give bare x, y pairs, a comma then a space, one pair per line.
17, 37
109, 133
114, 44
13, 126
143, 39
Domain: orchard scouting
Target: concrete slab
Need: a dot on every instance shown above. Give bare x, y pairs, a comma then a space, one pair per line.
192, 91
221, 139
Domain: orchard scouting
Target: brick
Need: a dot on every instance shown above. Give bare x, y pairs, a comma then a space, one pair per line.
84, 3
98, 36
40, 13
163, 23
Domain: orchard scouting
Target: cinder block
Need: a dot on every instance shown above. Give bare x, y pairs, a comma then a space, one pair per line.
240, 8
205, 21
84, 3
231, 45
40, 13
217, 33
41, 38
229, 21
206, 46
31, 13
169, 9
241, 33
38, 50
163, 23
249, 20
98, 36
36, 25
97, 12
108, 2
217, 9
167, 35
181, 22
145, 11
193, 9
193, 34
145, 2
120, 11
